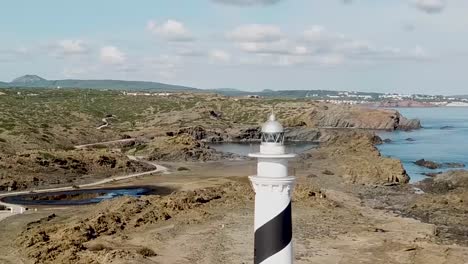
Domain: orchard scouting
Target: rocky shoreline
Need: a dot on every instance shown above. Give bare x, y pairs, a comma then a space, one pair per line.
351, 203
342, 180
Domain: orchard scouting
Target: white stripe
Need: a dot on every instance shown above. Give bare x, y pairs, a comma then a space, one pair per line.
268, 205
285, 256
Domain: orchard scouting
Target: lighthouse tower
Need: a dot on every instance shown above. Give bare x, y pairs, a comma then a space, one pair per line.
273, 186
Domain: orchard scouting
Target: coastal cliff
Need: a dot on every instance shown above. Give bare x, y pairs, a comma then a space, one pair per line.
303, 122
343, 116
358, 161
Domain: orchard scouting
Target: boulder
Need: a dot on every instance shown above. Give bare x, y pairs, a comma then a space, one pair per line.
427, 164
408, 124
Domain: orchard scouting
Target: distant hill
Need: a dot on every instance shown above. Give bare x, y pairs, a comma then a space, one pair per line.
4, 84
38, 82
461, 96
27, 79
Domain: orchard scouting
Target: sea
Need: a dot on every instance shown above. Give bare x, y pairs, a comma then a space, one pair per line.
443, 138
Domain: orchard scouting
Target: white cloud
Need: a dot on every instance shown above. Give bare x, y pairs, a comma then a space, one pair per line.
318, 45
171, 30
247, 2
265, 39
283, 47
430, 6
72, 47
220, 56
112, 55
255, 33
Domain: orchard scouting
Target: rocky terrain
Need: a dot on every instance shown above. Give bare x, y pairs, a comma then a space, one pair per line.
181, 147
442, 203
78, 241
338, 185
34, 169
348, 202
357, 159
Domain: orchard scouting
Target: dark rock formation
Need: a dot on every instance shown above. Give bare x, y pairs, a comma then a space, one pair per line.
427, 164
434, 165
431, 174
408, 124
197, 132
446, 127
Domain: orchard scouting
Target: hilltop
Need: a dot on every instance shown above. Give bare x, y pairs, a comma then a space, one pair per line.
34, 81
26, 79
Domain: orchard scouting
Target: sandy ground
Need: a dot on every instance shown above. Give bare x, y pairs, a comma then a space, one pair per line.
339, 229
4, 214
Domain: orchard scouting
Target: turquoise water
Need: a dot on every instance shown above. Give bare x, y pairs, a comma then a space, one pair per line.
433, 142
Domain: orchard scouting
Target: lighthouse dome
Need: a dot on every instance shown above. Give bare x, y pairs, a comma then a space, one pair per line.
272, 126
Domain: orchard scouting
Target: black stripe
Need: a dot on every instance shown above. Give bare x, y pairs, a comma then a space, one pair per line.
273, 236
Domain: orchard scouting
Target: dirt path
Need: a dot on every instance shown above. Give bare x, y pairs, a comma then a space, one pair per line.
18, 209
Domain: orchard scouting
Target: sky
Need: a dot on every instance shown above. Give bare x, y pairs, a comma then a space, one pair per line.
402, 46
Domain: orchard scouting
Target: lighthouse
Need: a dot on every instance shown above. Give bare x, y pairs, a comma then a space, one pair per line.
273, 186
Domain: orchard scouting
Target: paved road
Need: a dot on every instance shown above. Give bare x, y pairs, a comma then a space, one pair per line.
18, 209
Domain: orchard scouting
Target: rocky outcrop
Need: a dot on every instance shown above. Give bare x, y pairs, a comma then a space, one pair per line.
308, 123
341, 116
455, 179
37, 168
179, 148
427, 164
408, 124
303, 134
434, 165
444, 204
359, 161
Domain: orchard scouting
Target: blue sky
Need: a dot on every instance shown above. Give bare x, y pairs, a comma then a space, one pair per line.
414, 46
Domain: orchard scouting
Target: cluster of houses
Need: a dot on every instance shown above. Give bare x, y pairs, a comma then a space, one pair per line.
145, 94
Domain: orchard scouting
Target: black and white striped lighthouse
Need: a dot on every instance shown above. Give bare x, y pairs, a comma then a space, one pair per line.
273, 186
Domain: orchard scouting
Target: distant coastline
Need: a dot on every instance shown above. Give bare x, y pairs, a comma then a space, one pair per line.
416, 104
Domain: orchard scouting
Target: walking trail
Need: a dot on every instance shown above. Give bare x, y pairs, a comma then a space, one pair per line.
14, 209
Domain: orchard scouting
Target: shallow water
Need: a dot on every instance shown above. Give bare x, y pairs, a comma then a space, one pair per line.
101, 195
244, 149
444, 138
